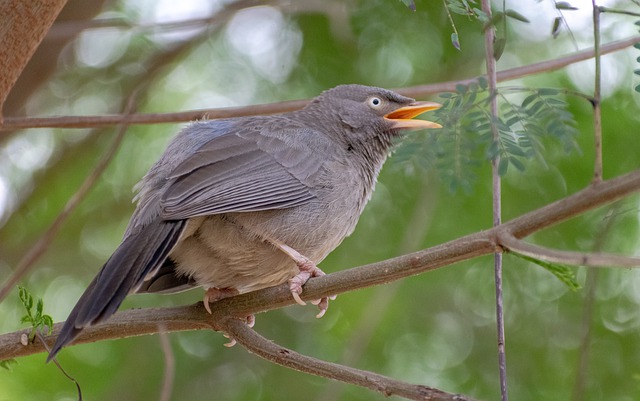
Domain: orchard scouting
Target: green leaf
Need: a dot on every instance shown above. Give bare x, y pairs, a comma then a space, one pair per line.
637, 88
548, 91
637, 45
529, 99
516, 15
454, 40
563, 5
411, 5
7, 363
564, 273
555, 28
498, 48
517, 164
503, 166
482, 81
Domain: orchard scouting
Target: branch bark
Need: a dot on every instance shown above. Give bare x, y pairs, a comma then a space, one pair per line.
13, 123
511, 243
24, 25
137, 322
272, 352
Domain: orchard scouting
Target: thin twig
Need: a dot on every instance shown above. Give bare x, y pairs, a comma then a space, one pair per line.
511, 243
489, 39
597, 116
14, 123
272, 352
55, 361
43, 243
169, 364
591, 283
604, 9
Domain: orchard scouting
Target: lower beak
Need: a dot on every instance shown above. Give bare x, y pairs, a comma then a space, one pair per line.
402, 118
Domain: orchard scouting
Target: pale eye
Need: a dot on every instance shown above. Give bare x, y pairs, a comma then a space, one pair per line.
375, 102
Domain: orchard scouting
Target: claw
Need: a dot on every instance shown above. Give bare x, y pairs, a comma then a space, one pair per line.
307, 269
296, 296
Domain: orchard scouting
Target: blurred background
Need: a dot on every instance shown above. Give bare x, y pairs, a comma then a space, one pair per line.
436, 329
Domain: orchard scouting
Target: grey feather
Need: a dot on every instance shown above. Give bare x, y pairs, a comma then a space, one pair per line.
224, 192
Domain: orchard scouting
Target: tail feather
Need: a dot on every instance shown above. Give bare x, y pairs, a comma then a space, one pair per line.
124, 272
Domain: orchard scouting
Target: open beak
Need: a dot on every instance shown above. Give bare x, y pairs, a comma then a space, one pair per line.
402, 118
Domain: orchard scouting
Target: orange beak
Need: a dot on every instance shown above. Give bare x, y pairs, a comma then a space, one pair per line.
402, 118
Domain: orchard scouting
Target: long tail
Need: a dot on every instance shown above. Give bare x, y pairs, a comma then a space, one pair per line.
138, 255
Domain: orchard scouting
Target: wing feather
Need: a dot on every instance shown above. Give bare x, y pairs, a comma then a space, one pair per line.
242, 172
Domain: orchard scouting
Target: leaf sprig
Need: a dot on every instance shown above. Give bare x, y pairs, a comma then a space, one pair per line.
465, 142
36, 317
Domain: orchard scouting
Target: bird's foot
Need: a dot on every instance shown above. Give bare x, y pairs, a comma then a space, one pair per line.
214, 294
307, 269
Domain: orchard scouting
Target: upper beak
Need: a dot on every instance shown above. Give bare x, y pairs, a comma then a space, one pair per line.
402, 118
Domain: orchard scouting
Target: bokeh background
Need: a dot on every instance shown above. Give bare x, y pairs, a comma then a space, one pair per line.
438, 328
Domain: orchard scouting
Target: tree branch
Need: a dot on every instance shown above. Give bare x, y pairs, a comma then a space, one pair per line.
24, 25
511, 243
272, 352
13, 123
137, 322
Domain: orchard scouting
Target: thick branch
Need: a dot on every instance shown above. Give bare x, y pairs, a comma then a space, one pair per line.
24, 25
145, 321
13, 123
272, 352
511, 243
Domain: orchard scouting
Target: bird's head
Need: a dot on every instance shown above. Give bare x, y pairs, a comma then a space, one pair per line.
370, 116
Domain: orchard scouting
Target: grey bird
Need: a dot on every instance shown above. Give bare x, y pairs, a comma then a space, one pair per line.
240, 204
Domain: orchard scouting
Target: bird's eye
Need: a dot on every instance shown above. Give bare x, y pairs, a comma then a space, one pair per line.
375, 102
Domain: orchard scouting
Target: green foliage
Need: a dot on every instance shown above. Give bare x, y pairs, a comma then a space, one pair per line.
561, 271
467, 139
411, 4
37, 318
8, 363
565, 5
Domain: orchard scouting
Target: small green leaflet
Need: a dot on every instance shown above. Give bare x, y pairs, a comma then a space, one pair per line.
561, 271
6, 364
411, 4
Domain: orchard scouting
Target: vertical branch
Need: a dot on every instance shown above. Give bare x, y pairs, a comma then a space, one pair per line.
597, 117
580, 385
169, 364
489, 39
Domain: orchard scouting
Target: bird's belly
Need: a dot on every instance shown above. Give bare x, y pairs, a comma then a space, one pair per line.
218, 252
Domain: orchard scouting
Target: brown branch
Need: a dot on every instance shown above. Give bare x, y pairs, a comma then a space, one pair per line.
137, 322
169, 364
24, 25
272, 352
496, 196
511, 243
597, 98
13, 123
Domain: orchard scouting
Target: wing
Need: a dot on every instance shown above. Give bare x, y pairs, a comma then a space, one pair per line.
246, 170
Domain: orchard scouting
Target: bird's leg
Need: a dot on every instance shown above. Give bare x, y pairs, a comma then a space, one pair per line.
307, 269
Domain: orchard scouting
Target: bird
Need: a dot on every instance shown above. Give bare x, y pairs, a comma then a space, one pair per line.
240, 204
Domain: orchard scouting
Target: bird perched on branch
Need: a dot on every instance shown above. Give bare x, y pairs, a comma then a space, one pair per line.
240, 204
